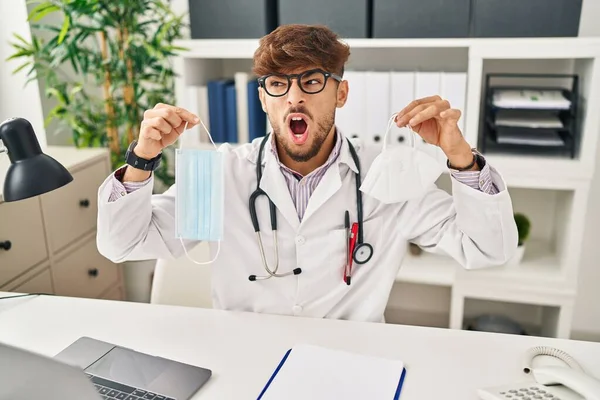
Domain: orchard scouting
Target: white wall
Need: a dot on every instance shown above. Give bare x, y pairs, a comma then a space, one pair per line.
588, 25
15, 99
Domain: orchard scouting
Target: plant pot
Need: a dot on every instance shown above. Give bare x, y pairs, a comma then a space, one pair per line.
516, 259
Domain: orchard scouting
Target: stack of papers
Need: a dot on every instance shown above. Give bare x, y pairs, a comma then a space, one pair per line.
532, 99
527, 120
541, 138
313, 372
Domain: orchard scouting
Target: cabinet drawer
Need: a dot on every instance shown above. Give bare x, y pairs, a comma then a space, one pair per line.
531, 18
84, 272
21, 225
41, 283
71, 211
421, 19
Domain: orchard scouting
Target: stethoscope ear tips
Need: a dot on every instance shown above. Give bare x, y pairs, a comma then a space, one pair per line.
297, 271
252, 278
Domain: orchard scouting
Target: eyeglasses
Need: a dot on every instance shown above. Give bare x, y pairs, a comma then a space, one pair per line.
310, 82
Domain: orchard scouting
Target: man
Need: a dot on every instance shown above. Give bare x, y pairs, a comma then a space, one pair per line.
309, 173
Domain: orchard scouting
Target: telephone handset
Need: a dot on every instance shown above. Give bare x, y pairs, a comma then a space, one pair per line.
568, 382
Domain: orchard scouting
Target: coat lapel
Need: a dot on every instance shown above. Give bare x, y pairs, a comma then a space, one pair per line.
331, 181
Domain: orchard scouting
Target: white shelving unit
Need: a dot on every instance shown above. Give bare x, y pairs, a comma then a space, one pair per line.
553, 192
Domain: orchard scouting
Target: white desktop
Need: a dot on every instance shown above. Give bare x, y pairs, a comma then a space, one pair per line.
243, 349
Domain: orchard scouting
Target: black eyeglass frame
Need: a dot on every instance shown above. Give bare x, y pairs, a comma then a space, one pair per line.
298, 77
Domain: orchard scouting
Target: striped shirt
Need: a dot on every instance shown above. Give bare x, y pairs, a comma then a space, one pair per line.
302, 187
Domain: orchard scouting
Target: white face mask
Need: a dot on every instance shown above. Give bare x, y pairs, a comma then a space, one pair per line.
400, 173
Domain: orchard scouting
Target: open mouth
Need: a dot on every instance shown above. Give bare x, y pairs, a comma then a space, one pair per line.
298, 128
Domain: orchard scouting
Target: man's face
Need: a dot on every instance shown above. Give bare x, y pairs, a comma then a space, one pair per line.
301, 122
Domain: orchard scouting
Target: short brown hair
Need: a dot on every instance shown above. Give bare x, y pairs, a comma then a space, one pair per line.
291, 47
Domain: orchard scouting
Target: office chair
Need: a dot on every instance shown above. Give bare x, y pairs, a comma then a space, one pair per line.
182, 282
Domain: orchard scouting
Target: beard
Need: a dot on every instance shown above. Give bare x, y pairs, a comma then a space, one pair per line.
318, 134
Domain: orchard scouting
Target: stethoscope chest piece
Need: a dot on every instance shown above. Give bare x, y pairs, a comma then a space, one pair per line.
362, 253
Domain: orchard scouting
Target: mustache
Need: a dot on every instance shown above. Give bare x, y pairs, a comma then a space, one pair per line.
299, 110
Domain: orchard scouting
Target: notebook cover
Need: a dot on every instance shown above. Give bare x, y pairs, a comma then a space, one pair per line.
262, 393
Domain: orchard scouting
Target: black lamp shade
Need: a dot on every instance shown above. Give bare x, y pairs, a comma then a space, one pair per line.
31, 172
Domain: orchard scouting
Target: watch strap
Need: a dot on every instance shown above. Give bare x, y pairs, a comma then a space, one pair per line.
477, 159
141, 163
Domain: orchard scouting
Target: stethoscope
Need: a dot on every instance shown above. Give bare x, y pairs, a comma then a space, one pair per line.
362, 251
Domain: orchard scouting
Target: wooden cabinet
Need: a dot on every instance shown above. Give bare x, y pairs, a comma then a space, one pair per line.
53, 236
23, 238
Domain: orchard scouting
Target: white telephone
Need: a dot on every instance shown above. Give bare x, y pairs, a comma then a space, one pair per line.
549, 382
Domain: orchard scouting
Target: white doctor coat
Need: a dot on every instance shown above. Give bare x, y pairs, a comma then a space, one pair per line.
475, 228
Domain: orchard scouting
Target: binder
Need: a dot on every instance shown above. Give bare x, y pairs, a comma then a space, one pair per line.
196, 101
429, 84
377, 107
319, 373
241, 93
257, 118
231, 113
454, 89
217, 107
351, 118
402, 93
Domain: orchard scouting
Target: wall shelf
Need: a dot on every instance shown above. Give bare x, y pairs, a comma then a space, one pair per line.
553, 191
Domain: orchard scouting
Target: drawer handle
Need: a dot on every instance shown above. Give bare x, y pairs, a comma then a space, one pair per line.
6, 245
93, 272
85, 203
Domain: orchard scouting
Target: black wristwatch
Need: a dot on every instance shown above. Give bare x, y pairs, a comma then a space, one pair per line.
139, 162
477, 158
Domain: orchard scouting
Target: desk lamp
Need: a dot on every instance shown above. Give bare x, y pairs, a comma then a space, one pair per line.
32, 172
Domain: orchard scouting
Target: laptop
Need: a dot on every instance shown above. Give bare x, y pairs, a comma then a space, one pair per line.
91, 369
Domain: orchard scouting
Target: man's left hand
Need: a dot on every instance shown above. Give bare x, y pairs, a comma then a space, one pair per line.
436, 122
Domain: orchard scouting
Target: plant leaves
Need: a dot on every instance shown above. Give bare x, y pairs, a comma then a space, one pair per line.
41, 11
64, 30
19, 68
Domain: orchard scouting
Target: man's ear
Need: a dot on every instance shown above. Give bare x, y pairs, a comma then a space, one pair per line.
261, 96
342, 94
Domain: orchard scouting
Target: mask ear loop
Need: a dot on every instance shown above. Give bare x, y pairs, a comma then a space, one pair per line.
180, 238
391, 123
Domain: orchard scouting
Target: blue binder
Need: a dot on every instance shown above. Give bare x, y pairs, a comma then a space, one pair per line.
231, 128
217, 108
282, 362
257, 119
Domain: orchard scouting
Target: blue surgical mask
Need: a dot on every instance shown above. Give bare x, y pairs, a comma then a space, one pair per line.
200, 196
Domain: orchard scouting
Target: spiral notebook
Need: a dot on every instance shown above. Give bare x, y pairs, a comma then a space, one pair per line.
314, 372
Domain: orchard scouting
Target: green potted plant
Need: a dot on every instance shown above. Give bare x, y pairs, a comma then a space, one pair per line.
523, 228
104, 63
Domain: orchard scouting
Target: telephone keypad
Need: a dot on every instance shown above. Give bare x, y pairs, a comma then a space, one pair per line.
519, 392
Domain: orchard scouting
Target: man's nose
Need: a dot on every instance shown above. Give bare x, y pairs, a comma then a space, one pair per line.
295, 94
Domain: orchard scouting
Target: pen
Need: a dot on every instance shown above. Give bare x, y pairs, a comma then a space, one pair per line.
347, 226
353, 237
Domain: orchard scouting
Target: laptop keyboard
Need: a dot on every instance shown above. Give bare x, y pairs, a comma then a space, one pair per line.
110, 390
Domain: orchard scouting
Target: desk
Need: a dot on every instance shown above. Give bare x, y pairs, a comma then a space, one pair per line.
242, 349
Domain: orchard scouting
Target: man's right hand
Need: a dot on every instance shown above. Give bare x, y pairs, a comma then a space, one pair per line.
160, 128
